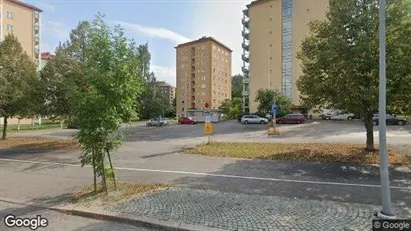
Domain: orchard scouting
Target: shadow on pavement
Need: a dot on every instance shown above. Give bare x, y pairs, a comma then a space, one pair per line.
310, 177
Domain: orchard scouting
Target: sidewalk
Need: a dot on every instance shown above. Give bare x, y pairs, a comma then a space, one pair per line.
233, 211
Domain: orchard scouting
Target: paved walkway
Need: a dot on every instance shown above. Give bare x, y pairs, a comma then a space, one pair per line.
233, 211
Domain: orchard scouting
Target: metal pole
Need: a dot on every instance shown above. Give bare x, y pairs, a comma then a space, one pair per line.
385, 182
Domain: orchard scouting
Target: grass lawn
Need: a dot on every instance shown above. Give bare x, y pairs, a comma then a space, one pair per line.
86, 196
315, 152
45, 124
39, 143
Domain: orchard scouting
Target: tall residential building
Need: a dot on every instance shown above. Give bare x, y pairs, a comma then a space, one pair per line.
23, 20
272, 34
203, 74
168, 90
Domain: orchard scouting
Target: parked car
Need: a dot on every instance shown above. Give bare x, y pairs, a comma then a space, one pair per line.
390, 120
186, 120
253, 119
157, 122
291, 119
337, 114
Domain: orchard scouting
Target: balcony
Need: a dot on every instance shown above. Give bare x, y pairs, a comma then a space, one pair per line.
36, 39
245, 93
245, 70
246, 46
36, 27
245, 22
246, 81
245, 12
193, 76
245, 34
245, 58
193, 106
36, 51
193, 69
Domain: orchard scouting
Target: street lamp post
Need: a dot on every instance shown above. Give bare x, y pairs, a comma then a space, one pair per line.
386, 212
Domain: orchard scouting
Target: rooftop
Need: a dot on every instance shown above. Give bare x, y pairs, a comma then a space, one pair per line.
203, 39
253, 3
164, 84
25, 5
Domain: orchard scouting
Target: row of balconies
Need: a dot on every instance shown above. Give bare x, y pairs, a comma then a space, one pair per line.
246, 58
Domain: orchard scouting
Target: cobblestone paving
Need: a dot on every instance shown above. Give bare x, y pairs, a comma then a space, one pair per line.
232, 211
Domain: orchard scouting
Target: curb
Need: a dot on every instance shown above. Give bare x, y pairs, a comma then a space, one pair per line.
115, 217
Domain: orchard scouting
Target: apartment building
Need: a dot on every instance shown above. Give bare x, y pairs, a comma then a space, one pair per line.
45, 57
168, 90
23, 20
203, 74
272, 34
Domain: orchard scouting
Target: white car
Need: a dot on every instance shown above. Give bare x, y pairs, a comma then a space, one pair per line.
337, 115
157, 122
253, 119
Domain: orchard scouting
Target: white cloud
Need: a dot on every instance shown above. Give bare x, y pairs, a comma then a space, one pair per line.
154, 32
55, 29
46, 6
227, 29
163, 73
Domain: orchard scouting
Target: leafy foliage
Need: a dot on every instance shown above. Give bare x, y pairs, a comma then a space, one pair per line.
237, 86
19, 83
266, 98
231, 108
340, 60
112, 85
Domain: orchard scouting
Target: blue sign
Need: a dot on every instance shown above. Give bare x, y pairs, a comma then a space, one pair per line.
274, 109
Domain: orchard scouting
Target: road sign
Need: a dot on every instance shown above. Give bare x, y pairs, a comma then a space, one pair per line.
208, 128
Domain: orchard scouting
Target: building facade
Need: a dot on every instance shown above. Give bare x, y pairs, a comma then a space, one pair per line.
203, 75
23, 20
272, 34
45, 57
168, 90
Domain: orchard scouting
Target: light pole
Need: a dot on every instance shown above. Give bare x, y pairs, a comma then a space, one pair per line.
386, 212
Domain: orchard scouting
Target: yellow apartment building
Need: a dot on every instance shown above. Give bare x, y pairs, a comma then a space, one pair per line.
23, 20
168, 90
203, 74
272, 34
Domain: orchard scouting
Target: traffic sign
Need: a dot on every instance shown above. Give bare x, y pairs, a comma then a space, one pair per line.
208, 128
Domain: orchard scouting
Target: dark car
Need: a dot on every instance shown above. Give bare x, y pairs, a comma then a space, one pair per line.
291, 119
186, 120
390, 120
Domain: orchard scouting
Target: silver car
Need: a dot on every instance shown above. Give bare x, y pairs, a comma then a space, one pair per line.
157, 122
253, 119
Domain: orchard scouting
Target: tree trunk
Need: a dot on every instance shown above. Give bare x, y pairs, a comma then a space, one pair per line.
5, 128
369, 126
103, 175
18, 124
111, 166
61, 124
94, 172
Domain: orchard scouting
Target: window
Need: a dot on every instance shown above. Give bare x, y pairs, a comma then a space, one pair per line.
271, 19
203, 85
10, 28
9, 15
182, 65
214, 47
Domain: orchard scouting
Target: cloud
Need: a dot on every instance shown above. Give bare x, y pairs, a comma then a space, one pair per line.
154, 32
164, 73
56, 29
227, 29
46, 6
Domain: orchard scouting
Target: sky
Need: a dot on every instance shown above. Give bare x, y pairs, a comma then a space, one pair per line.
162, 24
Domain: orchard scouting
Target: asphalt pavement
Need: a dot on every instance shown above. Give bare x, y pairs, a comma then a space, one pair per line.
151, 154
57, 221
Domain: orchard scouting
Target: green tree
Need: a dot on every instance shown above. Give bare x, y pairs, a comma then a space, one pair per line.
266, 98
340, 60
232, 108
61, 78
112, 84
19, 82
75, 47
237, 86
